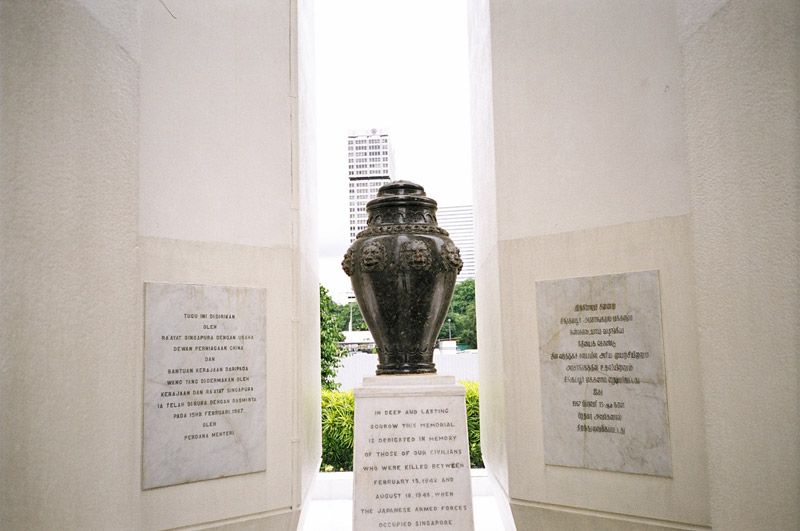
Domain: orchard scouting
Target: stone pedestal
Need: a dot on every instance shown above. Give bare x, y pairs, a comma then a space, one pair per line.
411, 464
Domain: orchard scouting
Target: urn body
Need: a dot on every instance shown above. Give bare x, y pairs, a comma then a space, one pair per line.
403, 269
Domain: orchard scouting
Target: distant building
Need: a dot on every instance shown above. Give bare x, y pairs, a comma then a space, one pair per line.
358, 341
459, 221
370, 165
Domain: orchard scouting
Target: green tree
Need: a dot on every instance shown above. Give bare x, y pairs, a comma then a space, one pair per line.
460, 321
343, 317
468, 327
331, 353
463, 296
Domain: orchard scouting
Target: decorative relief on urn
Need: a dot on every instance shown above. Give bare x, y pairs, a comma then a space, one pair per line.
416, 255
402, 229
403, 269
451, 256
348, 262
373, 257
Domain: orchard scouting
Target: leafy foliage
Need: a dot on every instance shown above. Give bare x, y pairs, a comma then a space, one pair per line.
331, 353
342, 312
463, 296
338, 412
474, 424
460, 321
337, 430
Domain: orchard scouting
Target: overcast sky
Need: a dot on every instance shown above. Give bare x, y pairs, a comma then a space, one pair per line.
399, 66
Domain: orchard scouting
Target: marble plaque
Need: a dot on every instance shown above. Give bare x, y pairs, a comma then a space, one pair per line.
604, 403
411, 461
204, 383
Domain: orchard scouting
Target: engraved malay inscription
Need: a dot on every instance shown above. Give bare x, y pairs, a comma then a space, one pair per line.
602, 373
204, 383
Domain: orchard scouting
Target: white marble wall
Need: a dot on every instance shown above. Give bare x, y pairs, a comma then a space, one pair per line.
627, 136
149, 142
740, 74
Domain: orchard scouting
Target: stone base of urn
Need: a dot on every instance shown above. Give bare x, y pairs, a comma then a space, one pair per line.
411, 454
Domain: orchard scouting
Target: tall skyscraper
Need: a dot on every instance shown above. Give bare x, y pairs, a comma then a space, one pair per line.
370, 165
459, 221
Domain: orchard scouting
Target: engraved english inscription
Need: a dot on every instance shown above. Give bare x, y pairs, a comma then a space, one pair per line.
602, 373
205, 380
412, 464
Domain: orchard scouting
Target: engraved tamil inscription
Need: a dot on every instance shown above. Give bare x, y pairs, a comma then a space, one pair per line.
602, 373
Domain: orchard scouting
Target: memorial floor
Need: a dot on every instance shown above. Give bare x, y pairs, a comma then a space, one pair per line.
331, 507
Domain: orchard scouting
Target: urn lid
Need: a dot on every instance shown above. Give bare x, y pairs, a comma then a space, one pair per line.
401, 193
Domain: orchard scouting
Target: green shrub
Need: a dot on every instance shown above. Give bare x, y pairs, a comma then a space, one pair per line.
337, 429
473, 424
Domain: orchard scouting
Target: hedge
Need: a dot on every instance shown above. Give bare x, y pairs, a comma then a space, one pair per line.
473, 424
337, 428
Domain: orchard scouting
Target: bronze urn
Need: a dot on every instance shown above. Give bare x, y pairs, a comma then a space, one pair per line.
403, 269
